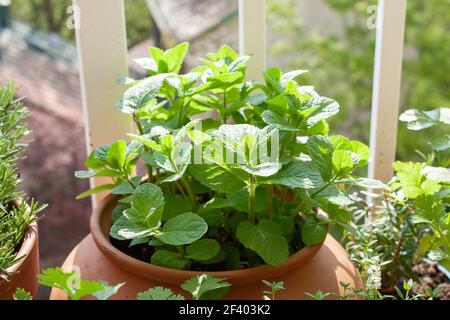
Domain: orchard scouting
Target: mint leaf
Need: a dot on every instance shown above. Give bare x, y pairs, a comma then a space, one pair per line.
183, 229
107, 291
437, 174
144, 216
123, 188
297, 174
174, 57
217, 178
272, 118
320, 108
116, 154
148, 201
262, 170
169, 259
313, 233
158, 293
206, 287
441, 143
265, 239
240, 200
175, 205
127, 229
95, 190
419, 120
321, 152
342, 163
364, 183
139, 95
202, 250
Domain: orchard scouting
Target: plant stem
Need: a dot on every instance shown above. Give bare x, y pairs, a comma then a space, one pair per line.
298, 208
251, 199
270, 206
184, 183
140, 129
188, 189
180, 188
224, 116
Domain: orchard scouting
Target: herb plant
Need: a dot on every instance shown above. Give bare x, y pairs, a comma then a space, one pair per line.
16, 213
410, 220
203, 287
234, 190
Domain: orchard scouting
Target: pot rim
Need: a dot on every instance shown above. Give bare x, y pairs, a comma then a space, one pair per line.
28, 243
101, 223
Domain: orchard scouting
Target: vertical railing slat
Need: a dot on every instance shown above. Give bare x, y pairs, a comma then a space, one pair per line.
386, 87
252, 35
102, 51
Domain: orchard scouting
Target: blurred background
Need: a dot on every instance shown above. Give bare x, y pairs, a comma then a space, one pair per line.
330, 38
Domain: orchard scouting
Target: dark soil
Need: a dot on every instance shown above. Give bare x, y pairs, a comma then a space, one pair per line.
429, 276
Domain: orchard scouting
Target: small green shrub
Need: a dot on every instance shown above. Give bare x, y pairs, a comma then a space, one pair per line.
16, 213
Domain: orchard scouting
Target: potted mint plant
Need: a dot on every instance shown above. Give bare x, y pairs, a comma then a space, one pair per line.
19, 253
237, 196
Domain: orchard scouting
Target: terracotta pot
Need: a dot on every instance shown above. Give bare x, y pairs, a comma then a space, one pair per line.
24, 273
314, 268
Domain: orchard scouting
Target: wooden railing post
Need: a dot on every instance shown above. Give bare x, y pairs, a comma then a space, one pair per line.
252, 35
386, 87
102, 52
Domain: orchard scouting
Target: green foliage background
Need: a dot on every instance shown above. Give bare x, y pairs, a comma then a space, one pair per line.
342, 67
52, 15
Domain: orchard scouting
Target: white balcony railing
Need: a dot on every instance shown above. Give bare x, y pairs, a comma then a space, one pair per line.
102, 49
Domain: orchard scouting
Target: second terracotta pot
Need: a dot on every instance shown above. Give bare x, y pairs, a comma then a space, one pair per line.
24, 273
319, 267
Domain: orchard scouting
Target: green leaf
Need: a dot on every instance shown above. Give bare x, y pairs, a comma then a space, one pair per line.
73, 286
183, 229
297, 174
139, 95
206, 287
265, 239
321, 152
437, 174
95, 190
335, 196
93, 162
175, 57
272, 118
144, 216
169, 259
148, 64
148, 200
107, 291
262, 170
364, 183
126, 229
313, 233
441, 143
419, 120
202, 250
412, 181
342, 163
240, 200
320, 108
116, 154
429, 209
123, 188
175, 205
216, 178
22, 294
158, 293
